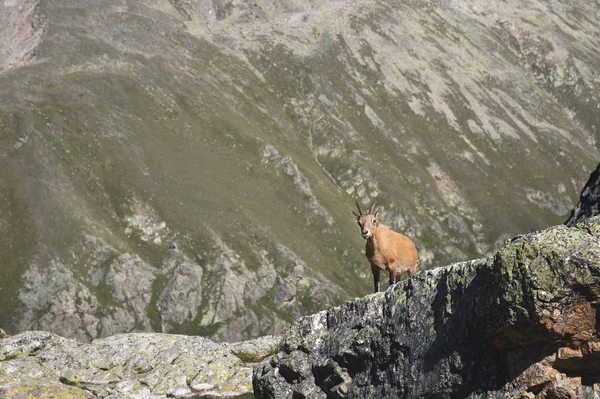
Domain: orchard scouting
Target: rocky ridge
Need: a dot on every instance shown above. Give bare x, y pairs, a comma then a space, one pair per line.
522, 323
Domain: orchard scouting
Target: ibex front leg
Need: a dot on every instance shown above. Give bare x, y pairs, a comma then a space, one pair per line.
392, 275
376, 282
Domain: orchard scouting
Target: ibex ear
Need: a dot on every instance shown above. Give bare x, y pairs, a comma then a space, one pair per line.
356, 215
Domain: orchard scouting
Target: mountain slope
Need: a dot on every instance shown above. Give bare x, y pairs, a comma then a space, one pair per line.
191, 166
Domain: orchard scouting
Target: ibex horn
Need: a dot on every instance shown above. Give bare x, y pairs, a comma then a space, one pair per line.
359, 210
372, 207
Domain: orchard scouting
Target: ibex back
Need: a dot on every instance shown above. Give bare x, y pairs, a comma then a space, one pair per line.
386, 249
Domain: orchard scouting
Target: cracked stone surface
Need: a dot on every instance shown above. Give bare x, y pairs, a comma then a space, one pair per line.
146, 365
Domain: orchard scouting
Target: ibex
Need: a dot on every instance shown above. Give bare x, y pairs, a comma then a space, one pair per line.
386, 249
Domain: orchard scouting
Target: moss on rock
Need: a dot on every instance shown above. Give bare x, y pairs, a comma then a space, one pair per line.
465, 330
41, 364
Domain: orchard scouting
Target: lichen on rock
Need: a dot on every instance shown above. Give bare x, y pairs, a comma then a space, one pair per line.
520, 323
39, 364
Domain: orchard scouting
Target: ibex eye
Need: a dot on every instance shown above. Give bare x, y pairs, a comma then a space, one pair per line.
374, 220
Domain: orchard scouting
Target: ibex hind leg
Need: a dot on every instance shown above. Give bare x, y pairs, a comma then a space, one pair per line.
376, 282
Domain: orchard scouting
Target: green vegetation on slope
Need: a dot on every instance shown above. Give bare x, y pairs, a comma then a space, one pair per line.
244, 135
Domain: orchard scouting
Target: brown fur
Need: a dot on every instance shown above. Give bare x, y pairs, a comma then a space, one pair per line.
386, 249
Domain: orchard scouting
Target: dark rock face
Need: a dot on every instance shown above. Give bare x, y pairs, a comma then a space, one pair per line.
589, 201
520, 323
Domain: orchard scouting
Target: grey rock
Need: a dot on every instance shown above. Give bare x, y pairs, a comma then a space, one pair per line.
181, 298
521, 321
56, 300
255, 350
129, 280
22, 28
129, 366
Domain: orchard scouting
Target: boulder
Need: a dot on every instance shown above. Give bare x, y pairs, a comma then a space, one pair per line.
520, 323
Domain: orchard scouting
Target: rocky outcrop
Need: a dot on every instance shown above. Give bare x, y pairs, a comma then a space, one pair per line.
57, 299
41, 364
589, 200
21, 31
521, 323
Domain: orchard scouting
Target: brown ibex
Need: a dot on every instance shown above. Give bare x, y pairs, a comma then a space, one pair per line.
386, 249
